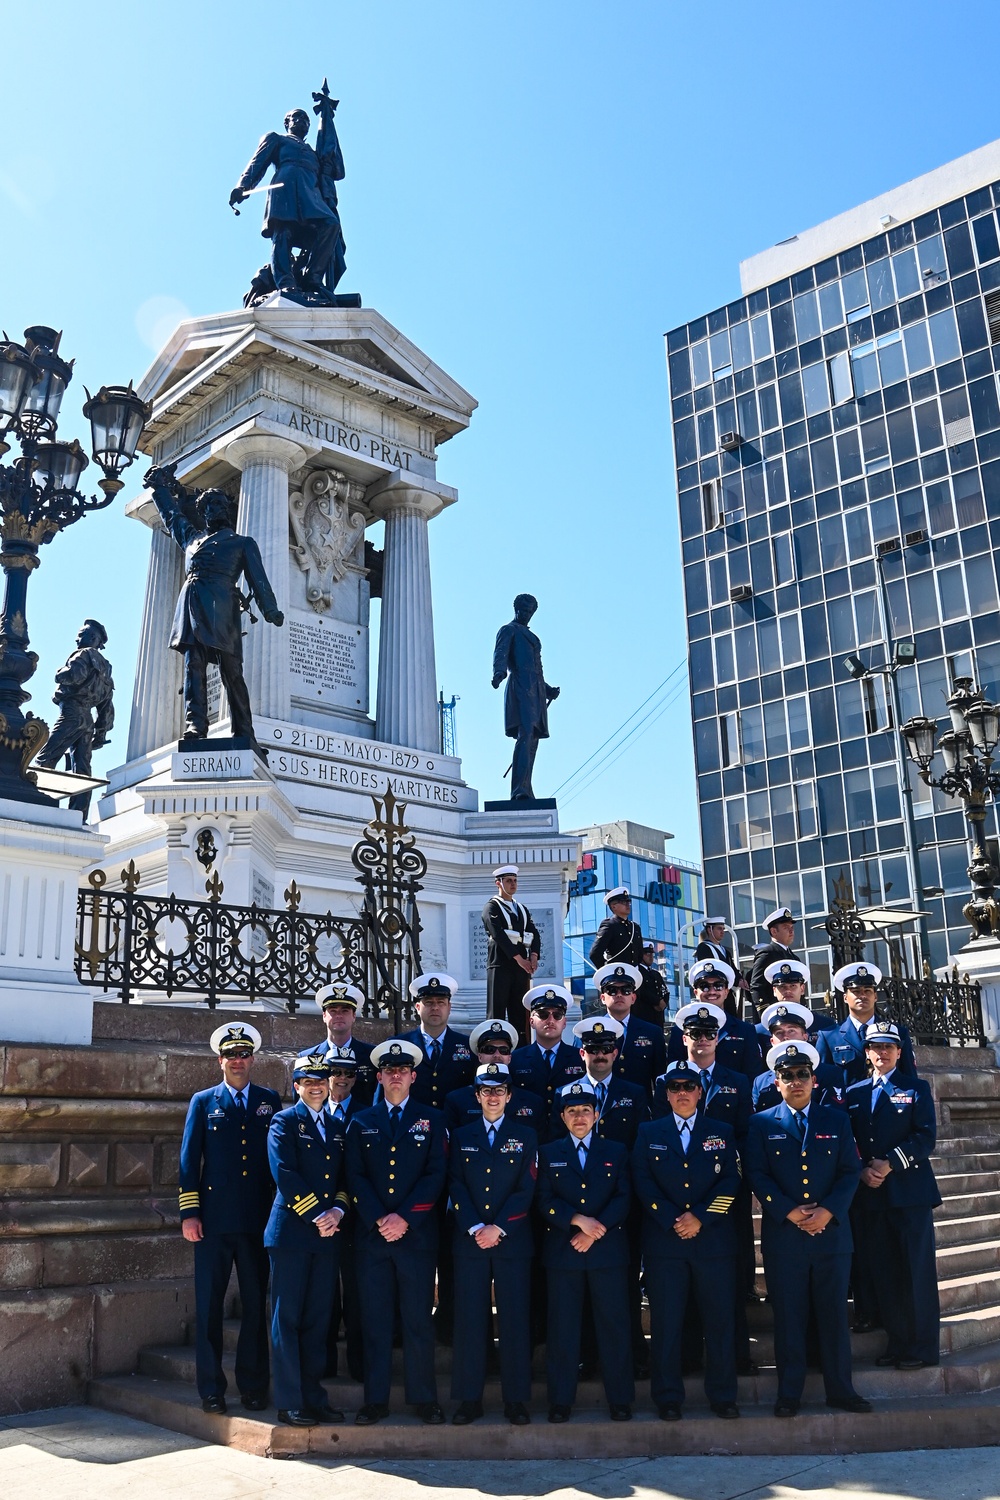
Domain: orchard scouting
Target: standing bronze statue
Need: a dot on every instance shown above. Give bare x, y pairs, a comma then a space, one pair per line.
518, 658
301, 211
207, 626
85, 697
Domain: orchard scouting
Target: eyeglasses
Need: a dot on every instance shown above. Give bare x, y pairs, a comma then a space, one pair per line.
618, 989
701, 1033
795, 1075
341, 1072
548, 1012
682, 1088
495, 1051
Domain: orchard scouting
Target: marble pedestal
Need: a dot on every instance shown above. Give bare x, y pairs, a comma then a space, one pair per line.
43, 855
980, 959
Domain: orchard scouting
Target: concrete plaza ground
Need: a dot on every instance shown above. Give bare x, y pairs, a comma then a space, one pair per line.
97, 1455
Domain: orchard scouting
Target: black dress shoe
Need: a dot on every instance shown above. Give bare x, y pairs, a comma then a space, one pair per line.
670, 1412
431, 1413
326, 1413
726, 1409
297, 1418
785, 1407
620, 1413
517, 1413
254, 1403
559, 1413
911, 1364
370, 1413
469, 1411
214, 1404
851, 1403
886, 1361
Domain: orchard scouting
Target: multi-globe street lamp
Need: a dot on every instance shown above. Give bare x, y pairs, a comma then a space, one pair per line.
969, 773
39, 497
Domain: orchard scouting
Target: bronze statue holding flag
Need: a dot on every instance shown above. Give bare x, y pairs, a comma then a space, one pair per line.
301, 212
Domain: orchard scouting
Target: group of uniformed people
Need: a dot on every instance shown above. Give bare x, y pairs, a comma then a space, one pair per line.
415, 1186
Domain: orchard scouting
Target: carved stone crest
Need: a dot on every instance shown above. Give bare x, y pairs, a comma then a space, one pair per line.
325, 533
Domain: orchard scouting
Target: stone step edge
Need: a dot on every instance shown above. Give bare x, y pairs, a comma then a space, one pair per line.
939, 1422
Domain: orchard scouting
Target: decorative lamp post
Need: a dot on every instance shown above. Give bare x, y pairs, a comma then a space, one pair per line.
39, 497
969, 774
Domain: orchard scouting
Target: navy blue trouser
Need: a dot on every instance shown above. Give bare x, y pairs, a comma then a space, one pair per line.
346, 1307
904, 1270
301, 1301
511, 1281
712, 1282
214, 1258
609, 1298
794, 1284
403, 1275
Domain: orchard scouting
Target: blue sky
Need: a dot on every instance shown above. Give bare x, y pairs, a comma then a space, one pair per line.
535, 193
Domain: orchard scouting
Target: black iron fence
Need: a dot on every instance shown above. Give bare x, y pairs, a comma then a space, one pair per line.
130, 944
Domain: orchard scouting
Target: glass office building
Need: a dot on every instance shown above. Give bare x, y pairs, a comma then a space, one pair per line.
667, 903
837, 444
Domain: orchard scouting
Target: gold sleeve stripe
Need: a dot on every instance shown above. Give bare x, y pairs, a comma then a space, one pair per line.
190, 1200
305, 1204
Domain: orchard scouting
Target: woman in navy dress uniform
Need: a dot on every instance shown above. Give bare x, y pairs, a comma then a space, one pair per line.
491, 1185
583, 1201
892, 1115
306, 1153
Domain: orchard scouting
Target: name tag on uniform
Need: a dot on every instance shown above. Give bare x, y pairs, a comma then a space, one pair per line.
467, 1149
217, 1114
511, 1147
777, 1137
366, 1131
558, 1164
713, 1143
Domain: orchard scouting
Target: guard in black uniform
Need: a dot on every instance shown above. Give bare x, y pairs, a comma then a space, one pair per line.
642, 1050
547, 1063
780, 926
844, 1046
896, 1131
491, 1186
226, 1190
791, 1021
583, 1200
712, 944
685, 1173
342, 1107
396, 1172
618, 940
513, 949
306, 1153
739, 1046
339, 1003
494, 1042
804, 1169
651, 999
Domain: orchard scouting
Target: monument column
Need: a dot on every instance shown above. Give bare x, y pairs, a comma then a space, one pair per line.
406, 707
157, 710
265, 463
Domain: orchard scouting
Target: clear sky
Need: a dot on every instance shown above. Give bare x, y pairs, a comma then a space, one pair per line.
536, 191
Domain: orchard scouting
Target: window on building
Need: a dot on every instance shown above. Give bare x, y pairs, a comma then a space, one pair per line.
885, 785
700, 363
783, 826
859, 536
985, 233
768, 652
759, 820
918, 347
930, 258
880, 288
841, 385
729, 735
760, 329
944, 335
718, 575
855, 290
981, 581
951, 592
940, 510
711, 504
858, 799
797, 710
752, 735
877, 705
864, 369
850, 710
831, 307
904, 269
815, 388
955, 415
806, 316
767, 397
725, 665
969, 499
928, 420
891, 363
739, 337
737, 833
806, 811
790, 630
720, 355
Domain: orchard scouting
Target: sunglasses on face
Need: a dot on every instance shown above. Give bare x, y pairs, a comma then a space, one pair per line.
341, 1073
548, 1013
618, 989
713, 984
681, 1088
702, 1033
490, 1050
795, 1075
599, 1049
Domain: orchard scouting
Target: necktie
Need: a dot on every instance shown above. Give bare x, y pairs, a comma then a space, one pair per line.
321, 1127
395, 1115
706, 1079
241, 1106
338, 1113
434, 1052
550, 1058
601, 1090
685, 1135
880, 1092
863, 1030
800, 1124
581, 1152
491, 1132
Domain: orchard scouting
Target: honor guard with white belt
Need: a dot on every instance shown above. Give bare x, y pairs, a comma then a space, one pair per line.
513, 949
226, 1190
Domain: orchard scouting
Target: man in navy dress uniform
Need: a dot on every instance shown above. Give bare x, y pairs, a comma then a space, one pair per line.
789, 981
844, 1046
494, 1041
619, 939
339, 1004
792, 1021
342, 1106
804, 1169
642, 1052
780, 928
396, 1172
685, 1173
547, 1062
739, 1046
226, 1190
513, 948
583, 1201
306, 1154
491, 1185
621, 1109
895, 1129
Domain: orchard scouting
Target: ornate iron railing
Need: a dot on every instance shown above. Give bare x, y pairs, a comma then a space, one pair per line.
129, 944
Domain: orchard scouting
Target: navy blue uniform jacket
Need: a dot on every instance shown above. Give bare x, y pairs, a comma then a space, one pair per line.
727, 1100
844, 1048
529, 1070
601, 1191
829, 1088
363, 1091
784, 1175
902, 1132
625, 1107
523, 1108
493, 1185
642, 1054
225, 1179
405, 1176
456, 1066
309, 1173
738, 1048
668, 1184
